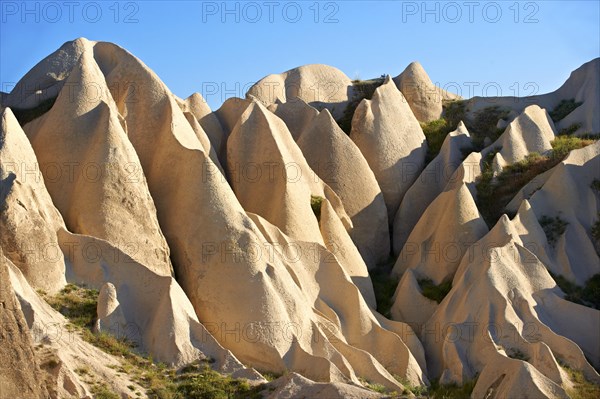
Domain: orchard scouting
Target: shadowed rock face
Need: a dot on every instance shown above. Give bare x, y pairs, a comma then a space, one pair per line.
20, 375
250, 234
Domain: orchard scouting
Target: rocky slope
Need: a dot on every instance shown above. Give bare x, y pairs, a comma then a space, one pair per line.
259, 238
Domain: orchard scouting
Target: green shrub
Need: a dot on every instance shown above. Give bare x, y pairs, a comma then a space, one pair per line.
437, 130
435, 133
517, 354
572, 128
384, 286
494, 194
315, 203
563, 145
484, 124
101, 391
454, 112
435, 292
595, 185
564, 108
554, 228
451, 391
417, 390
596, 229
581, 388
77, 304
363, 89
588, 295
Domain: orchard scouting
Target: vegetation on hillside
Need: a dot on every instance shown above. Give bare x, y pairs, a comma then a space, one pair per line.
588, 295
494, 193
195, 381
384, 285
362, 89
564, 108
435, 292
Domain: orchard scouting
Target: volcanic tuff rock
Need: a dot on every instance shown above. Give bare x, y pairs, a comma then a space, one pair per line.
20, 372
391, 140
250, 234
28, 219
321, 86
99, 186
583, 85
340, 164
430, 184
425, 99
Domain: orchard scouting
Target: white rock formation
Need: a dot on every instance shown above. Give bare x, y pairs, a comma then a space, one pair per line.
318, 85
28, 219
339, 163
91, 169
430, 184
391, 140
425, 98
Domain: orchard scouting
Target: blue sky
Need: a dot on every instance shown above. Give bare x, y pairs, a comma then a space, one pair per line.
219, 49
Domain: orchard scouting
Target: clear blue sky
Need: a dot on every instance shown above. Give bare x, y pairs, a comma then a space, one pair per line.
200, 46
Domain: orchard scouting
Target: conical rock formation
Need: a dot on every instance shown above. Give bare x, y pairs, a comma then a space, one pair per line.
391, 140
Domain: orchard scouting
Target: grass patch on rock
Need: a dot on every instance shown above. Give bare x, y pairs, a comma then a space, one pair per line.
451, 391
588, 295
554, 227
195, 381
581, 388
494, 193
384, 285
362, 89
564, 108
435, 292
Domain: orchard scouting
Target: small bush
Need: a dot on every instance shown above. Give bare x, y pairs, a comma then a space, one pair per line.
435, 133
77, 304
484, 124
595, 185
564, 108
101, 391
517, 354
384, 286
494, 194
596, 229
315, 203
452, 391
362, 89
588, 295
417, 390
554, 228
435, 292
570, 129
563, 145
455, 111
582, 388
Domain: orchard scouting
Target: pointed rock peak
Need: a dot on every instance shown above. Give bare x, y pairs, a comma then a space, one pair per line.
230, 111
326, 119
461, 129
415, 72
296, 114
197, 105
502, 233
